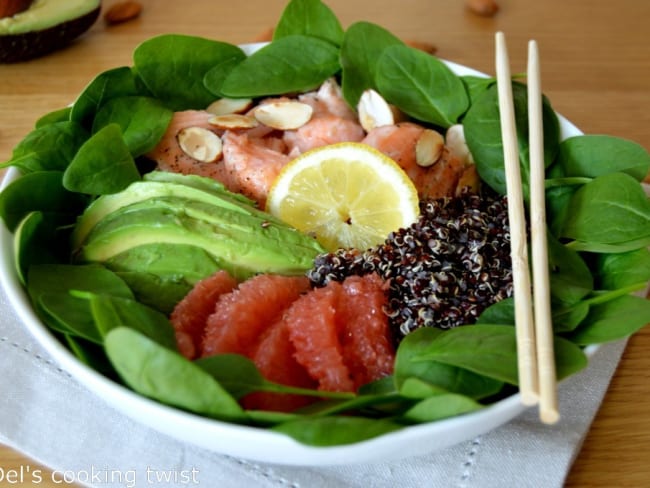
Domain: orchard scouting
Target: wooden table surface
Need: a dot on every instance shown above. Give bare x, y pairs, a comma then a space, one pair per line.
595, 69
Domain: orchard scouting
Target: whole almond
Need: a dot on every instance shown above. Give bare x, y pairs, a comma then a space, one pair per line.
122, 12
484, 8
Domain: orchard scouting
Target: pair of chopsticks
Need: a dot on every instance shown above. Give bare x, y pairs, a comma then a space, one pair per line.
534, 331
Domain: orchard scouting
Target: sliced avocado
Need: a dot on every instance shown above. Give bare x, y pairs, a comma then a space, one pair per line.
161, 274
145, 190
47, 25
245, 242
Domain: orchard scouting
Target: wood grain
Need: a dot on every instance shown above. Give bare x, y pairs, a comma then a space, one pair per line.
595, 70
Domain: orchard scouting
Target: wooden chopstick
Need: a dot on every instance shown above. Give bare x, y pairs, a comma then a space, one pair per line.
541, 288
524, 325
534, 330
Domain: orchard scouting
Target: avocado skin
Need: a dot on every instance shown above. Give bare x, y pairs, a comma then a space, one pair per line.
23, 47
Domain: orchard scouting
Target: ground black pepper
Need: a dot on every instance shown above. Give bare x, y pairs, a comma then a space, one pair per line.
443, 270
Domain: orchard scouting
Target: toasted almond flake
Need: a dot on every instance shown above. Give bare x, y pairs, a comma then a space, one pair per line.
284, 115
374, 111
429, 148
233, 121
225, 106
455, 142
200, 144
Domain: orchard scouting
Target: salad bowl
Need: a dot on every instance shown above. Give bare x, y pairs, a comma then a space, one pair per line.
256, 443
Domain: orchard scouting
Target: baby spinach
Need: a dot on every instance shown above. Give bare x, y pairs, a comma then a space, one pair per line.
49, 147
60, 115
103, 164
483, 135
610, 211
294, 63
64, 311
109, 312
334, 431
35, 243
448, 377
164, 375
363, 43
476, 85
309, 18
569, 276
613, 271
597, 155
239, 376
613, 320
489, 350
215, 76
142, 120
173, 66
421, 85
440, 407
39, 191
116, 82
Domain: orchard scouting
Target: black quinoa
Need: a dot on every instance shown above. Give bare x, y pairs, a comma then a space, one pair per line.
443, 270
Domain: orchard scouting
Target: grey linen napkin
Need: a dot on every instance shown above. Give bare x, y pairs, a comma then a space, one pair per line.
49, 416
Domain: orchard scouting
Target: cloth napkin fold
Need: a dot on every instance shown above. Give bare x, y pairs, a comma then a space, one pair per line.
46, 414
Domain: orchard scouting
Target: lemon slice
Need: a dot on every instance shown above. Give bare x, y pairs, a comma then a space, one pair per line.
347, 195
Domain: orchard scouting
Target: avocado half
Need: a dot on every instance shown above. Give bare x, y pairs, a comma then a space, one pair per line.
47, 25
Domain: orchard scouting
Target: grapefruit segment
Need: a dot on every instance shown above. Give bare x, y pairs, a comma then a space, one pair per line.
241, 316
191, 313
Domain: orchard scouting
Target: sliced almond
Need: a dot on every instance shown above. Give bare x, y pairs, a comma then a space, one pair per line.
429, 148
200, 144
455, 142
225, 106
284, 115
374, 111
233, 121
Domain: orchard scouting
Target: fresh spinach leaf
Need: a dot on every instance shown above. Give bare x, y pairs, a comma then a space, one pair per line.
60, 115
448, 377
476, 85
116, 82
215, 76
110, 312
491, 350
102, 165
569, 276
309, 18
48, 148
294, 63
363, 43
613, 271
36, 242
334, 431
48, 286
38, 191
421, 85
239, 376
501, 312
612, 209
440, 407
70, 314
173, 66
164, 375
416, 388
483, 135
597, 155
613, 320
143, 121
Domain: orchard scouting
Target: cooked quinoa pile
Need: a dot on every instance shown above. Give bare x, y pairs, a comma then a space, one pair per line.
443, 270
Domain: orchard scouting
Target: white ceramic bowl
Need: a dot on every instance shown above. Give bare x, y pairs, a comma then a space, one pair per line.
251, 442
